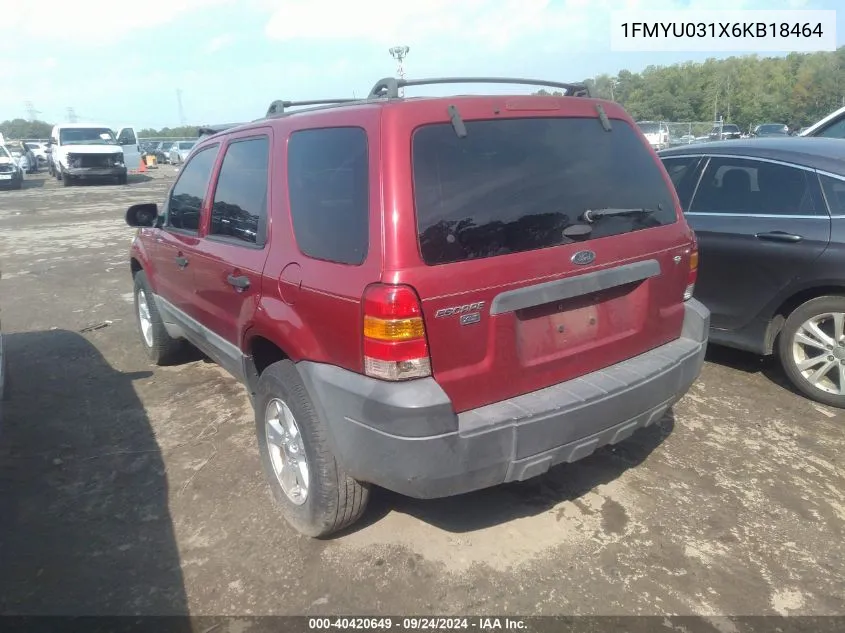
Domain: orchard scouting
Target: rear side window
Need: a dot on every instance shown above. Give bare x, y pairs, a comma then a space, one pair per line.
328, 183
183, 209
240, 199
514, 185
834, 192
683, 172
743, 186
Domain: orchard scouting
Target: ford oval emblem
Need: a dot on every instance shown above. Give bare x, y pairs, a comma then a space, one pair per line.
582, 258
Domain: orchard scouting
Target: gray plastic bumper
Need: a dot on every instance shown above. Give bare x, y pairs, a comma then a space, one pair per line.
406, 437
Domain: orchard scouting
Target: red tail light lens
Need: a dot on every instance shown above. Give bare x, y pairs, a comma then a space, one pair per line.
395, 346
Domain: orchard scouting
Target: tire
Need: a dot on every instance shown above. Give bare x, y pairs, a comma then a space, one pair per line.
830, 388
67, 180
160, 347
18, 184
122, 180
59, 174
334, 500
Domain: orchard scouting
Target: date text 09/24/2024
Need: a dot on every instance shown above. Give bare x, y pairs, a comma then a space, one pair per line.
416, 624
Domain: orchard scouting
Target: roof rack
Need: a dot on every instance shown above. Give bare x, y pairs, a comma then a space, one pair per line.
278, 107
389, 86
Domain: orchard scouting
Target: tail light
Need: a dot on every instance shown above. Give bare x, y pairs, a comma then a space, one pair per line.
395, 346
693, 272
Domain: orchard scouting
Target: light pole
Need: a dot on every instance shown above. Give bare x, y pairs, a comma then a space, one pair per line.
399, 53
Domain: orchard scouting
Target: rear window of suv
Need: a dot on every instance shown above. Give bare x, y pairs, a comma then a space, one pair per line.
514, 185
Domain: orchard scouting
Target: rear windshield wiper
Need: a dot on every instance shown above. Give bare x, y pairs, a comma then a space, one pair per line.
591, 215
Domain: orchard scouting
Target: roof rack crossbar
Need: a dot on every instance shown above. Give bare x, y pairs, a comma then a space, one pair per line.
279, 106
389, 86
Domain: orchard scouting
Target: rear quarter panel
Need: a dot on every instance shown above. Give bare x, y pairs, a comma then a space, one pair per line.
310, 308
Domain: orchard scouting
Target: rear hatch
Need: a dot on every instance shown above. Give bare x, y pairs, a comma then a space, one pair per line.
518, 291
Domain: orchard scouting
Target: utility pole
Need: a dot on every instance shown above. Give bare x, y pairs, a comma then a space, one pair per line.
399, 53
71, 116
182, 121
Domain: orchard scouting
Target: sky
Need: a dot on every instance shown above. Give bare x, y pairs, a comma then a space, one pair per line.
231, 58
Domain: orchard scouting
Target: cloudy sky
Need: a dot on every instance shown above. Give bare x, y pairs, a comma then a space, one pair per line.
231, 58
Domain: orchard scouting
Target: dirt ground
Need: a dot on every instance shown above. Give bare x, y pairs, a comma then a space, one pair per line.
126, 488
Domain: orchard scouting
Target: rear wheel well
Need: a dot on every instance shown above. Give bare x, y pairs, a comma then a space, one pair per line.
262, 353
786, 308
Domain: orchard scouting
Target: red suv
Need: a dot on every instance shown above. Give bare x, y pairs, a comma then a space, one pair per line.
433, 295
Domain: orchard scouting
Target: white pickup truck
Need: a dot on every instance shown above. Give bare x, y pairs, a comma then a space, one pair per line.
85, 150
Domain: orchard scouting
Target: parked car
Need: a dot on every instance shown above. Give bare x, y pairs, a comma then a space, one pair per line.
769, 215
39, 151
11, 175
84, 151
831, 126
208, 130
460, 300
770, 129
163, 151
179, 152
657, 134
722, 132
23, 156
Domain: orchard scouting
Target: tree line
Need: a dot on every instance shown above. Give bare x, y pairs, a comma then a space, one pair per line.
797, 90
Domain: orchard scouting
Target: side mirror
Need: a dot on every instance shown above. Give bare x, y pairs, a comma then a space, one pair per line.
142, 215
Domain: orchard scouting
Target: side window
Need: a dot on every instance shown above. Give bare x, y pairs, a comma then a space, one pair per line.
742, 186
183, 208
833, 130
684, 175
328, 181
240, 199
834, 192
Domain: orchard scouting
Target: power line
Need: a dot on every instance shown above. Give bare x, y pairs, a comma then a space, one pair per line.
71, 116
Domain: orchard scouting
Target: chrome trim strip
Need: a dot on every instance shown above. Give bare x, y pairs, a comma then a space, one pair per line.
760, 215
741, 157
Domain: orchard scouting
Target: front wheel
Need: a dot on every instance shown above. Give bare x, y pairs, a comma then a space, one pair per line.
66, 179
314, 494
160, 347
812, 349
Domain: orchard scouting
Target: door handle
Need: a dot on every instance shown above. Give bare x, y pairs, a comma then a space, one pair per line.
181, 262
779, 236
239, 283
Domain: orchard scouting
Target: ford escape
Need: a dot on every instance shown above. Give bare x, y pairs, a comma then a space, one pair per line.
432, 295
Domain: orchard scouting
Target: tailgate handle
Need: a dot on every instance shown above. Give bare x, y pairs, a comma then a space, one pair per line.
577, 286
181, 262
779, 236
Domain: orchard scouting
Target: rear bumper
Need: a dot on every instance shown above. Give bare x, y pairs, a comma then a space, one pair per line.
407, 438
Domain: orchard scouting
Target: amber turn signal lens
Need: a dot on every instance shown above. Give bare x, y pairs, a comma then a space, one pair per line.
393, 329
